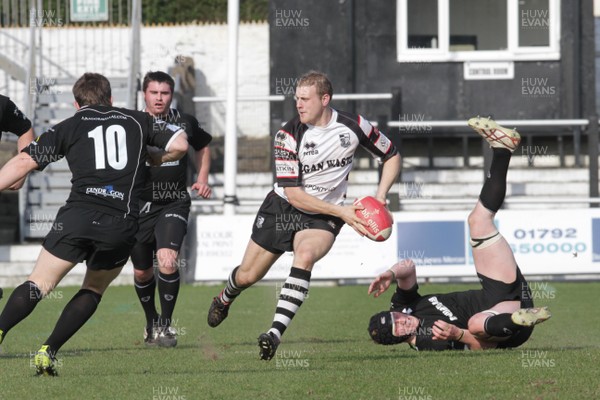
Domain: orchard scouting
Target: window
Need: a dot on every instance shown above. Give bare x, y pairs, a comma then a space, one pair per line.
534, 23
423, 24
478, 30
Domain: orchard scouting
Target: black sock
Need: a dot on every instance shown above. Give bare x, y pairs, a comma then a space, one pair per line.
494, 189
145, 292
500, 325
293, 293
76, 313
168, 289
232, 290
19, 305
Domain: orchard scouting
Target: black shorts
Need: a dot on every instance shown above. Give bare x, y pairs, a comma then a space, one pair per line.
103, 240
277, 222
163, 225
495, 292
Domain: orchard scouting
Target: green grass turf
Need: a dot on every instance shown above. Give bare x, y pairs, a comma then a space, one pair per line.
326, 353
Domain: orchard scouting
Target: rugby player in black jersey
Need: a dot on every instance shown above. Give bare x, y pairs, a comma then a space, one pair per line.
164, 209
314, 154
106, 150
501, 314
13, 120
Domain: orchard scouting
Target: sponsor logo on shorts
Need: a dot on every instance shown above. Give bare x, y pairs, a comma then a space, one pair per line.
106, 191
173, 215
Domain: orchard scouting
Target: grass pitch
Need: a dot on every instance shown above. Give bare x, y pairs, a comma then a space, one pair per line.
326, 353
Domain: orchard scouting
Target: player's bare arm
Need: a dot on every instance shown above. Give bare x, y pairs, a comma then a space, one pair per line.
298, 198
22, 142
25, 139
176, 148
16, 169
174, 151
203, 163
403, 273
389, 175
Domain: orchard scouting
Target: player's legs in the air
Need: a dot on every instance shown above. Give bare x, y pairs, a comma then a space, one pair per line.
310, 245
496, 135
494, 260
530, 316
492, 255
505, 319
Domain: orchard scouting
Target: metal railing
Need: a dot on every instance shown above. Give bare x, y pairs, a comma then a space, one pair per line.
576, 123
507, 122
537, 200
591, 125
341, 96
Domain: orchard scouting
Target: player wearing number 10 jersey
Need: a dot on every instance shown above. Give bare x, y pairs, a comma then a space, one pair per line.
106, 150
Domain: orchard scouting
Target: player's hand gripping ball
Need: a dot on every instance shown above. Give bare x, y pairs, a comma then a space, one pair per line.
379, 220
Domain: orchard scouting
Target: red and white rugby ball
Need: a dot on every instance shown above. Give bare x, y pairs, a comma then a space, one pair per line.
379, 220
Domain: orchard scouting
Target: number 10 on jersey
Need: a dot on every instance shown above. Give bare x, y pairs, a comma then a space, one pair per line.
109, 145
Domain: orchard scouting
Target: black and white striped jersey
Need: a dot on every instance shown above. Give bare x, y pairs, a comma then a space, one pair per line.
319, 159
106, 151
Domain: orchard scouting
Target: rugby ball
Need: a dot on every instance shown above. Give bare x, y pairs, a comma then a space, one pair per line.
379, 220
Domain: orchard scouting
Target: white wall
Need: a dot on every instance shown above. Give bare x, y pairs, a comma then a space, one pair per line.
106, 50
207, 45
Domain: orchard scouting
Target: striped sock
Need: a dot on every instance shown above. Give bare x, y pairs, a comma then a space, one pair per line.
293, 293
232, 290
